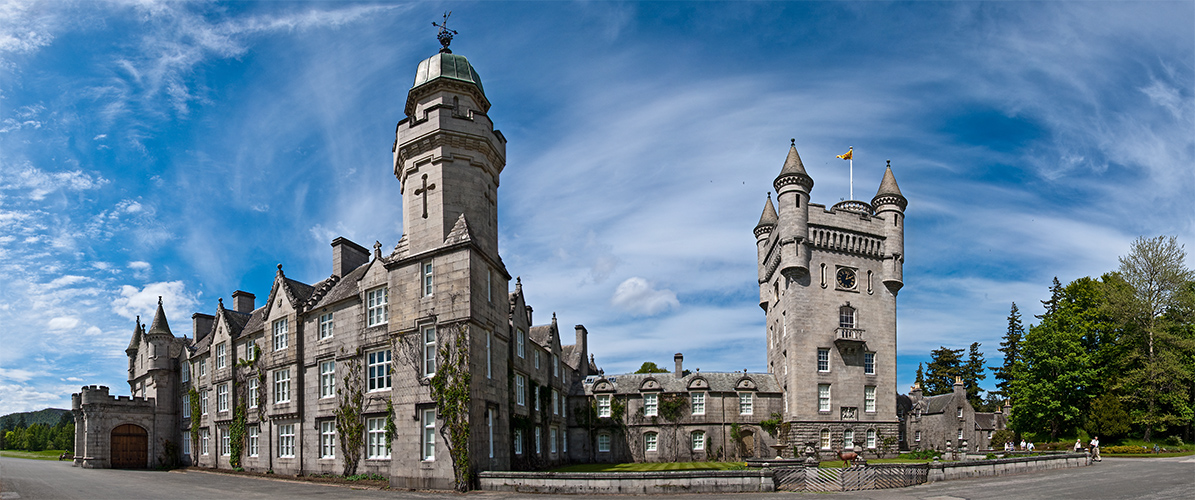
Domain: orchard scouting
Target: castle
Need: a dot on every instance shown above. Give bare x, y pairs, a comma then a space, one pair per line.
268, 379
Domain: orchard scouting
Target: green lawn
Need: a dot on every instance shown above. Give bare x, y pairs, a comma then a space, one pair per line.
651, 466
1147, 455
32, 455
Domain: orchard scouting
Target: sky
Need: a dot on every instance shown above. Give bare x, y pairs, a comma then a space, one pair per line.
184, 149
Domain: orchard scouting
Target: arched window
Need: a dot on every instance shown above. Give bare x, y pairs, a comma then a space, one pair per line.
650, 441
698, 439
825, 439
846, 317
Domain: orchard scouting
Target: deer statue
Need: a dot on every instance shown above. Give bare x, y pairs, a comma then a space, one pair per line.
847, 457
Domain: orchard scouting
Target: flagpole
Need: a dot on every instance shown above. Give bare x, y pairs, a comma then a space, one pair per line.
852, 160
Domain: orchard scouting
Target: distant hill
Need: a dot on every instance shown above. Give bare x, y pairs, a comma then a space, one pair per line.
48, 416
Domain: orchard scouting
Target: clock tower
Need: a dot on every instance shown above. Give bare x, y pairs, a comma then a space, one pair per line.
828, 281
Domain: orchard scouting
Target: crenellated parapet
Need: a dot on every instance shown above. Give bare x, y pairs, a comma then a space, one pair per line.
96, 395
829, 238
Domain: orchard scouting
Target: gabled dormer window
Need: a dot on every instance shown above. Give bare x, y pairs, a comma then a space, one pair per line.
376, 301
281, 334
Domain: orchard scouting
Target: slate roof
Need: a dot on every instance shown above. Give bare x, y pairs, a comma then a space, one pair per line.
988, 421
793, 164
769, 216
135, 342
543, 334
888, 185
343, 288
159, 324
629, 383
939, 403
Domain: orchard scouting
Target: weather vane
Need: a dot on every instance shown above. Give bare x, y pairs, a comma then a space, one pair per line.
445, 35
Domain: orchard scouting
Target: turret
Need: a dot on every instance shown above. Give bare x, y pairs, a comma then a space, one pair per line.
134, 346
792, 193
159, 338
890, 205
763, 232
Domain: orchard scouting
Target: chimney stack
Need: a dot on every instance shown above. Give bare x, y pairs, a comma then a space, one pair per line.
242, 301
680, 361
347, 256
201, 324
583, 346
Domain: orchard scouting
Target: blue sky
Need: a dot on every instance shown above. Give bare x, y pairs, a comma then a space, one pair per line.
184, 149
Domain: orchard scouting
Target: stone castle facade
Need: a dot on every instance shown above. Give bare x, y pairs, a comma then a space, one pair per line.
828, 282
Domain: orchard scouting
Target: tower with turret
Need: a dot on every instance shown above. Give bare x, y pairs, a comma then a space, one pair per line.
828, 281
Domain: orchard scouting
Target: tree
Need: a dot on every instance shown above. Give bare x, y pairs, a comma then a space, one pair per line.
1156, 375
650, 367
1057, 377
1051, 305
920, 380
1011, 348
1107, 417
945, 365
972, 373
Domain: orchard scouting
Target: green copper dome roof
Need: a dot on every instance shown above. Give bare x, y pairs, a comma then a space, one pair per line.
447, 65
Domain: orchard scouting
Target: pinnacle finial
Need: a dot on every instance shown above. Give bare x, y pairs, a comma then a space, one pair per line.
889, 163
445, 35
792, 142
159, 300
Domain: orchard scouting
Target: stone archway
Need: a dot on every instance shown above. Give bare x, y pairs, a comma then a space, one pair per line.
129, 447
748, 443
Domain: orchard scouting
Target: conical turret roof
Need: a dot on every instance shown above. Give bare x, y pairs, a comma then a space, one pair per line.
889, 192
135, 342
793, 171
769, 218
160, 326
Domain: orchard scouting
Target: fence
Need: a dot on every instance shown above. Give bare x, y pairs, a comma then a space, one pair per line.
871, 477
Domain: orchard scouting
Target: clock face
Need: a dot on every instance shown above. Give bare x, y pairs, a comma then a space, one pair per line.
846, 278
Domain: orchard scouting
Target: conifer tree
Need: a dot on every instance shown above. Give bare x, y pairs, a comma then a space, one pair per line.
1011, 348
945, 365
920, 375
972, 373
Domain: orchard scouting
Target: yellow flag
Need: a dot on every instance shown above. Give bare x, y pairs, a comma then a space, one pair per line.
847, 155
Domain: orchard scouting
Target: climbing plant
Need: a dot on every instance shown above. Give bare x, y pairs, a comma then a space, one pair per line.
671, 409
350, 427
193, 396
236, 436
450, 390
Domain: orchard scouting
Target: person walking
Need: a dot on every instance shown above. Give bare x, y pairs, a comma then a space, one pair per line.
1095, 449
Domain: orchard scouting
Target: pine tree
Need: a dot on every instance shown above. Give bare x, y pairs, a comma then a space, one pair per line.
1051, 305
1011, 348
920, 375
945, 365
972, 373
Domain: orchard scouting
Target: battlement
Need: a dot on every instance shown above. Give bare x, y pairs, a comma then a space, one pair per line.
846, 241
99, 394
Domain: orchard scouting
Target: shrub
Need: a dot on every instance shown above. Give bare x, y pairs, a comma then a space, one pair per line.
1125, 449
923, 454
1173, 441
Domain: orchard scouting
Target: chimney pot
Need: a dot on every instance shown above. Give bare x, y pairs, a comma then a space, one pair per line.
680, 361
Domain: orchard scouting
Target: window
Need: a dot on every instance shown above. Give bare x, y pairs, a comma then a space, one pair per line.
869, 399
649, 441
535, 396
555, 402
281, 335
917, 436
563, 440
960, 412
489, 424
536, 360
253, 392
379, 446
960, 434
489, 356
286, 441
325, 326
251, 350
869, 363
823, 397
848, 438
427, 279
379, 370
871, 439
604, 443
825, 439
651, 405
203, 401
823, 360
327, 439
846, 317
203, 436
520, 390
222, 397
489, 286
698, 403
537, 448
746, 403
698, 441
429, 351
253, 451
186, 406
221, 355
203, 368
223, 433
187, 443
552, 440
518, 442
327, 379
282, 386
603, 402
186, 371
521, 343
375, 303
555, 365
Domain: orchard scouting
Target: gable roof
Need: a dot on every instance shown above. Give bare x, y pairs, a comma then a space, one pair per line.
630, 383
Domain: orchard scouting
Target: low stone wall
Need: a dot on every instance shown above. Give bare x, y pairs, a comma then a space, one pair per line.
711, 481
945, 471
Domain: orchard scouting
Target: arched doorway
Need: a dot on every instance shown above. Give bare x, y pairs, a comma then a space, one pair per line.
130, 447
748, 438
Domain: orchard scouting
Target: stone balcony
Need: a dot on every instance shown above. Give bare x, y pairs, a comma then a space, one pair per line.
849, 335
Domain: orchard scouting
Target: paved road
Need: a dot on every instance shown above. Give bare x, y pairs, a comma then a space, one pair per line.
1161, 478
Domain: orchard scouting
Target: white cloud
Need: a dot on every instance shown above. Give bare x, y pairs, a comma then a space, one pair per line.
139, 265
176, 300
15, 374
39, 183
65, 323
637, 296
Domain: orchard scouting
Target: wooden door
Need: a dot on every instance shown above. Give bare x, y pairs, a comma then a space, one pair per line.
130, 447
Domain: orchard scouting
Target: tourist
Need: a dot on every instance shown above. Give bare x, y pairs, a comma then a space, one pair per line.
1022, 448
1031, 446
1095, 449
1078, 446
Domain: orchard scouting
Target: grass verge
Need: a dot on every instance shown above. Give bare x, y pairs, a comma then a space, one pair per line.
1148, 455
651, 466
32, 455
837, 464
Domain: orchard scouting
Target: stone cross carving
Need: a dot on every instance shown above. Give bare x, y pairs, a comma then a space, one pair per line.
423, 191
